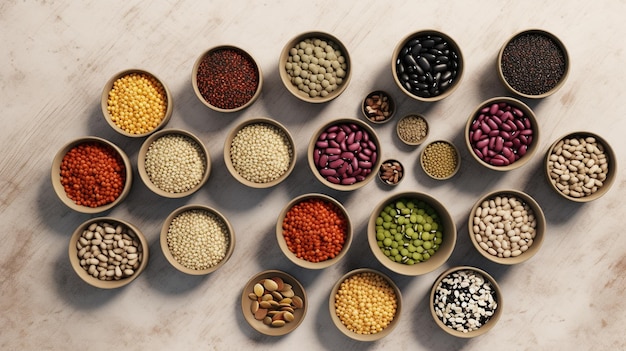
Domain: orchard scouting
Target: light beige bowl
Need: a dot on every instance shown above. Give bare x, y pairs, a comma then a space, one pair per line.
60, 190
77, 239
141, 163
408, 129
608, 175
485, 327
258, 157
290, 289
149, 129
293, 257
238, 103
540, 228
218, 217
426, 151
391, 172
286, 78
376, 104
437, 258
343, 328
314, 161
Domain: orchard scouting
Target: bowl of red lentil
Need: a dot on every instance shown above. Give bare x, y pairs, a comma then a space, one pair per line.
440, 159
314, 231
173, 163
315, 67
197, 239
90, 249
226, 79
365, 305
91, 175
259, 152
412, 129
411, 233
136, 103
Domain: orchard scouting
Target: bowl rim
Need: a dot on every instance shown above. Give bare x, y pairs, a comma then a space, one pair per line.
406, 142
483, 329
458, 159
168, 255
454, 45
228, 161
390, 159
194, 78
102, 284
56, 177
141, 163
105, 97
391, 102
285, 79
540, 228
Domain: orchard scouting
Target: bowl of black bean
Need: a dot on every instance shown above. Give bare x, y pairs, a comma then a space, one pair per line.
427, 65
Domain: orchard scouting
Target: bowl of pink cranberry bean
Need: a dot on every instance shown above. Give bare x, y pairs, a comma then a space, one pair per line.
502, 133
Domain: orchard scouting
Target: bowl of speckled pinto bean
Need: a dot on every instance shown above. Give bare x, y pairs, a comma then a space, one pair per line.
91, 175
226, 79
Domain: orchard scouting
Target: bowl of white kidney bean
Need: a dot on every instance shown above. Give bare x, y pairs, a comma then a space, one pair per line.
507, 226
502, 133
344, 154
108, 253
580, 166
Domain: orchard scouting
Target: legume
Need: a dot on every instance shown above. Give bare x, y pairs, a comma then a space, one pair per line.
391, 172
274, 302
198, 239
409, 231
175, 163
137, 103
412, 129
261, 152
366, 303
440, 159
378, 106
92, 174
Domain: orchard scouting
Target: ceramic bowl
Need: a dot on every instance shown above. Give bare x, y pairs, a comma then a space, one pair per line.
378, 107
412, 129
428, 152
391, 172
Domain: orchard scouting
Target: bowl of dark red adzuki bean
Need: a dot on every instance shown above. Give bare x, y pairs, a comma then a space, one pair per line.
344, 154
226, 79
465, 301
502, 133
427, 65
533, 64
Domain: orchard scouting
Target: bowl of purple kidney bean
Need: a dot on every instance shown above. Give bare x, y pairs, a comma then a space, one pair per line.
427, 65
502, 133
344, 154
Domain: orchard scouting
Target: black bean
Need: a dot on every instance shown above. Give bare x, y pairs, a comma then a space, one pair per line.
416, 48
413, 42
404, 51
428, 43
404, 77
423, 63
446, 75
410, 60
429, 57
440, 67
442, 59
399, 67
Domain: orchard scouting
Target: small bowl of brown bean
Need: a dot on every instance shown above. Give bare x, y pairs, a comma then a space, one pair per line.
391, 172
273, 303
412, 129
378, 107
440, 160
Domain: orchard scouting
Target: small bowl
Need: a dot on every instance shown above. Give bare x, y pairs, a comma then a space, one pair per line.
343, 328
338, 209
129, 229
493, 319
203, 152
609, 174
236, 98
298, 313
540, 228
378, 107
286, 78
56, 174
104, 103
255, 180
473, 145
412, 129
314, 160
438, 258
391, 172
550, 47
217, 217
425, 153
430, 92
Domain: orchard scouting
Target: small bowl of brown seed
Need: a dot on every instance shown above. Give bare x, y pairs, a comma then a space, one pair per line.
378, 107
412, 129
273, 303
440, 160
391, 172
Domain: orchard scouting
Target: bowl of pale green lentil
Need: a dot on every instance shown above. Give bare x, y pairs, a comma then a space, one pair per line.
259, 153
136, 103
173, 163
440, 160
412, 129
197, 239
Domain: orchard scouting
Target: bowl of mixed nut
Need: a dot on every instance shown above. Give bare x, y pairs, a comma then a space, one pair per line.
378, 107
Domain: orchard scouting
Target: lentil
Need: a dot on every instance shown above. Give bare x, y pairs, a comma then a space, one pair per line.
137, 103
274, 302
440, 159
412, 129
378, 106
391, 172
366, 303
93, 174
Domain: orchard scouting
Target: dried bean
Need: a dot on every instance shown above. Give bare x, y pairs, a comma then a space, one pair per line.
274, 302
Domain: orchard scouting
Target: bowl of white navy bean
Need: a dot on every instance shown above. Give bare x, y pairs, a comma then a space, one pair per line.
465, 301
580, 166
108, 253
507, 226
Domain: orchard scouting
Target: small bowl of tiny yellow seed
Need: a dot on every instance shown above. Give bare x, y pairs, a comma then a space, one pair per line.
412, 129
440, 160
136, 103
